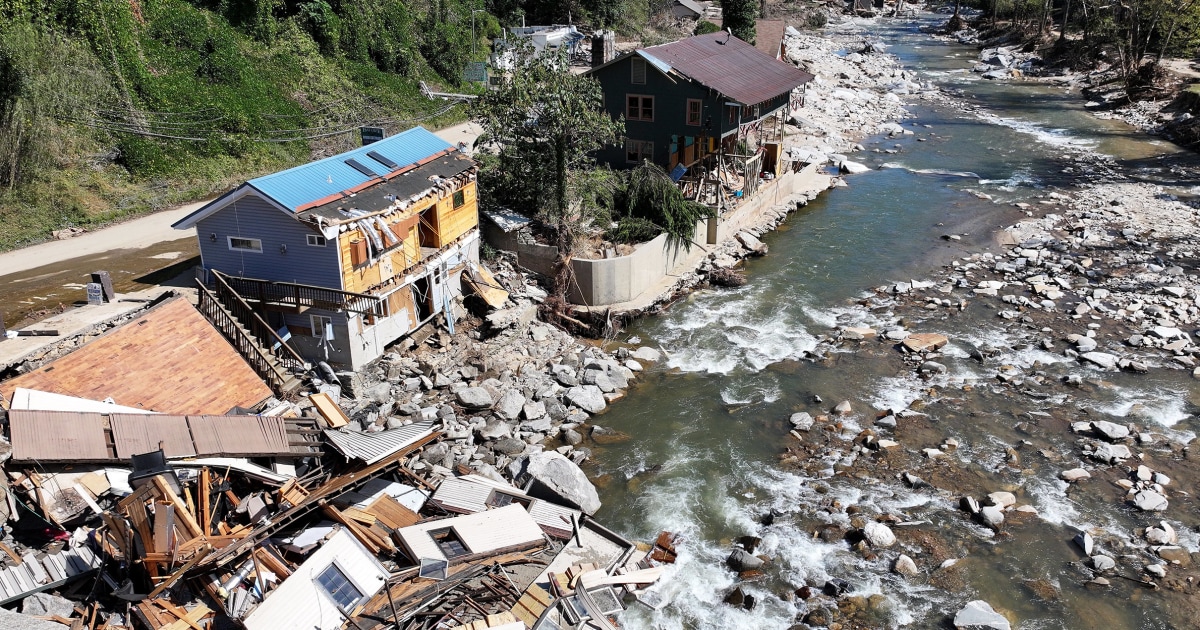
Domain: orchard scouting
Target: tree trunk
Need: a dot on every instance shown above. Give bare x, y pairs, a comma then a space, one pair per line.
1062, 29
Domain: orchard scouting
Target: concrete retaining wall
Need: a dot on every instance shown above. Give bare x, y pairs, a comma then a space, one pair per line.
615, 280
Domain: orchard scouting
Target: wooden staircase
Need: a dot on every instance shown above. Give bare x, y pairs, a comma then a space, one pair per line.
270, 356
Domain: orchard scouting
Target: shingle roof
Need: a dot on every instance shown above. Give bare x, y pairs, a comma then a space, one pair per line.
730, 66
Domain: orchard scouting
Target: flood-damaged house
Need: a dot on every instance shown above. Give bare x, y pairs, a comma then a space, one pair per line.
344, 255
694, 97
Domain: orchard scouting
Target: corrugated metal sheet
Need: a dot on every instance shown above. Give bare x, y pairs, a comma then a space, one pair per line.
57, 436
310, 182
238, 435
79, 436
480, 533
730, 66
372, 447
135, 434
469, 494
300, 602
23, 398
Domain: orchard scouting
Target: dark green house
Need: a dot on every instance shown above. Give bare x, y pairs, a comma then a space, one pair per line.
693, 97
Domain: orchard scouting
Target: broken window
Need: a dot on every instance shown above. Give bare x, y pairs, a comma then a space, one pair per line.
238, 243
448, 542
322, 326
339, 587
638, 150
501, 499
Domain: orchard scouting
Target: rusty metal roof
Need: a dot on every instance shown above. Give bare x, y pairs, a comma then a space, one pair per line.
238, 435
135, 434
730, 66
57, 435
71, 436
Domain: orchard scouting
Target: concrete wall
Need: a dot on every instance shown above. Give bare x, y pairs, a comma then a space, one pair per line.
622, 279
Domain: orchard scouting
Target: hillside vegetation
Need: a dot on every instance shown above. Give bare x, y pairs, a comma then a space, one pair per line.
110, 108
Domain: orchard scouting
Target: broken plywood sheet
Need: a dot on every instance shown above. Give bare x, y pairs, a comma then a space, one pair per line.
169, 359
329, 410
484, 284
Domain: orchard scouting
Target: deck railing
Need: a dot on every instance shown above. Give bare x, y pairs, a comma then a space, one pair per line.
264, 334
302, 295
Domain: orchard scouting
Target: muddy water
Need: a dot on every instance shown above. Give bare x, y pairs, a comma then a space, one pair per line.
708, 428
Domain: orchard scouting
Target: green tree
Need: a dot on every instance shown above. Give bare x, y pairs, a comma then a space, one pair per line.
540, 126
739, 17
704, 27
651, 197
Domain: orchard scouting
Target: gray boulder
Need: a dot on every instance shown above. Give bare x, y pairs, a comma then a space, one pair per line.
1110, 431
510, 446
980, 614
1150, 501
742, 560
587, 397
1100, 359
47, 605
646, 355
558, 475
801, 421
1111, 453
879, 535
494, 429
475, 398
510, 405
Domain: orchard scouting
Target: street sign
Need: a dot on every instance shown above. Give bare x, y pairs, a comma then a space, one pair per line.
476, 71
95, 293
371, 134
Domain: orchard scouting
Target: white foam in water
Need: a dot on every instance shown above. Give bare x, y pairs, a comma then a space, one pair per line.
1161, 406
1053, 137
1050, 499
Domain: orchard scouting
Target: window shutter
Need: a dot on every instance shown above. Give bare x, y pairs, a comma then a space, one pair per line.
638, 71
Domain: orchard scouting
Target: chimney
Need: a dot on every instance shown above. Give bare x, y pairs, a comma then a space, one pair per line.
603, 45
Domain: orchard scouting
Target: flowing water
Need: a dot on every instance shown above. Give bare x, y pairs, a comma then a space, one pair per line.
707, 427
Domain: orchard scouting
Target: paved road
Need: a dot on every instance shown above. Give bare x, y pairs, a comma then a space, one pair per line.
147, 230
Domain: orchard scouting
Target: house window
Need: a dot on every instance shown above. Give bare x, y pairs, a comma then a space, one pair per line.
501, 499
338, 586
245, 244
448, 542
460, 198
637, 71
316, 240
638, 150
322, 327
693, 111
639, 107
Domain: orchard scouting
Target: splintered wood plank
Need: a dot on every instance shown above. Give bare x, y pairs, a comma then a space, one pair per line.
171, 360
391, 514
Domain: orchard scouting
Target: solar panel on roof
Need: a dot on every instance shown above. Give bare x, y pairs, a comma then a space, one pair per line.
361, 168
382, 159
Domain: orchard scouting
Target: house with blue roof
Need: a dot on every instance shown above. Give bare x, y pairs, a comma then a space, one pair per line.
343, 256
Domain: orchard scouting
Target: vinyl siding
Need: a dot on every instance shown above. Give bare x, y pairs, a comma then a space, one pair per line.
253, 217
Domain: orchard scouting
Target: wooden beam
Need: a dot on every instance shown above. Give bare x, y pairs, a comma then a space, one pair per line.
182, 514
174, 577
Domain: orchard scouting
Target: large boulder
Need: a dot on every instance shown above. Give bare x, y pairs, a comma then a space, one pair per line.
557, 476
742, 560
587, 397
879, 535
475, 398
925, 342
980, 614
510, 404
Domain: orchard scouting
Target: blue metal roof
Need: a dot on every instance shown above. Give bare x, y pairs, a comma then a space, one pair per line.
310, 182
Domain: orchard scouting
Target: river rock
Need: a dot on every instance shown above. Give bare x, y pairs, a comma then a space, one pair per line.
756, 247
857, 332
1174, 555
980, 614
494, 429
879, 535
842, 408
1111, 453
587, 397
853, 168
475, 398
924, 342
1150, 501
1157, 570
741, 560
1100, 359
801, 421
646, 355
1002, 499
1103, 563
1111, 431
1085, 542
906, 567
991, 516
1163, 534
1075, 474
510, 446
558, 475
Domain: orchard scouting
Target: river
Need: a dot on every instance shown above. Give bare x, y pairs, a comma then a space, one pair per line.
707, 427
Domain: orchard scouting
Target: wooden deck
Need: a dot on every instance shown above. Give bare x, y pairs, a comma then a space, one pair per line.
169, 360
